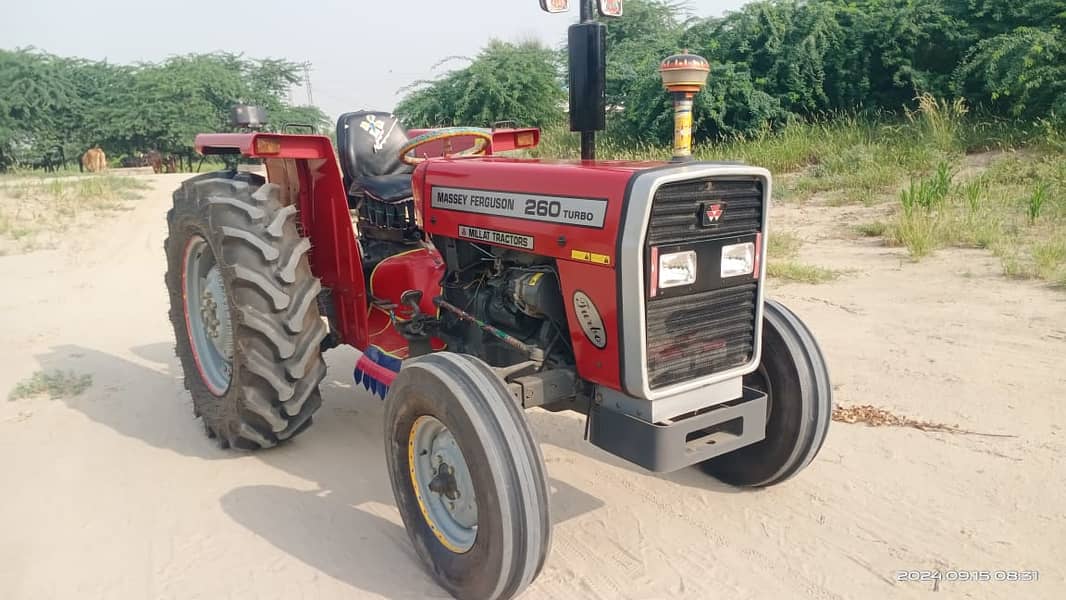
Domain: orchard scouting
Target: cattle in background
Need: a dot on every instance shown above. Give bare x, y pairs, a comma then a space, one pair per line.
162, 163
155, 160
51, 161
134, 160
94, 160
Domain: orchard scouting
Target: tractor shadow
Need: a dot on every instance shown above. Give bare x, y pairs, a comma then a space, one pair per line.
145, 400
345, 526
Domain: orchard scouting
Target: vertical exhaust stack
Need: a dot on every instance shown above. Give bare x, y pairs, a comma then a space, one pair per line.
588, 67
683, 76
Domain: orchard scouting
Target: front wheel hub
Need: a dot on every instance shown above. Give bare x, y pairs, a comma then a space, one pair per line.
442, 482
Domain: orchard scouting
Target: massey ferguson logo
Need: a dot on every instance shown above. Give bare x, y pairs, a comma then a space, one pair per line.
711, 214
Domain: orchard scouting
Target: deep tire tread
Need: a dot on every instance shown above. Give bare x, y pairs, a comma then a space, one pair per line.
278, 333
302, 302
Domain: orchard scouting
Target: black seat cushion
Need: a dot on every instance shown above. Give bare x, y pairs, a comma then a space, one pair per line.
386, 188
369, 143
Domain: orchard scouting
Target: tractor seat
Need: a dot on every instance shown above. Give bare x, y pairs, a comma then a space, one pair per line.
385, 188
369, 143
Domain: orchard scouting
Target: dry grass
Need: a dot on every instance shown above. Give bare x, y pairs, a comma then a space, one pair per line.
1014, 205
1016, 208
872, 416
790, 270
782, 264
783, 244
33, 208
872, 229
54, 384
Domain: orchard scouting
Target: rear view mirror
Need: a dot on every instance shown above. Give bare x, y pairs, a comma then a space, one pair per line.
611, 8
556, 6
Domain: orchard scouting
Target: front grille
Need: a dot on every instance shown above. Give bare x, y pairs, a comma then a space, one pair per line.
709, 328
675, 211
700, 334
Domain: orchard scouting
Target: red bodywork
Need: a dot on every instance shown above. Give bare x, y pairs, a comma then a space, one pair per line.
586, 256
306, 167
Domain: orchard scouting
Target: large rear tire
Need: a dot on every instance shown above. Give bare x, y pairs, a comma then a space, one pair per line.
243, 303
452, 427
795, 378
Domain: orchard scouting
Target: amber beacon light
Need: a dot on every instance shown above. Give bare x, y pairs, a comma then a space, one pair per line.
683, 75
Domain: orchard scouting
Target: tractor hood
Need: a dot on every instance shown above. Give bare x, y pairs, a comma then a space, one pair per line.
606, 223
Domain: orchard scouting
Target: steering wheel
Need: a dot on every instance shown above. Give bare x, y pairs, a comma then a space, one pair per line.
482, 140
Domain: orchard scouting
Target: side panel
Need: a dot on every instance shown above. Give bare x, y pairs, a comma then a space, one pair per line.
335, 256
567, 211
589, 295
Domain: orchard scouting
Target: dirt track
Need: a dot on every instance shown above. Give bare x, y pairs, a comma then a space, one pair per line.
118, 494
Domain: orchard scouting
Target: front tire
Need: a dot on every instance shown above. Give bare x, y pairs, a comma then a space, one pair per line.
243, 304
794, 376
493, 545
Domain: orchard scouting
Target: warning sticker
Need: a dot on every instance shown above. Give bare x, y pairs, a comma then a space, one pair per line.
592, 257
586, 212
502, 238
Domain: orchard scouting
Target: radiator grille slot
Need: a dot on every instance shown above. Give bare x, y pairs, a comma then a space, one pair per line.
700, 334
675, 211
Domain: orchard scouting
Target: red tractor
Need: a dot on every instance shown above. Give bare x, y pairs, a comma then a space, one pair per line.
475, 286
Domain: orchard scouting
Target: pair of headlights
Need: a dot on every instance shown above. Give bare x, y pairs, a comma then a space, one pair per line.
679, 268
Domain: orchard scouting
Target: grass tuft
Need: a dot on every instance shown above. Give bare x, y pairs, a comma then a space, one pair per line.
872, 229
790, 270
55, 384
783, 244
1036, 201
1049, 258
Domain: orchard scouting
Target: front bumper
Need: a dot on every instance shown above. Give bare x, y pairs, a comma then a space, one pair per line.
682, 440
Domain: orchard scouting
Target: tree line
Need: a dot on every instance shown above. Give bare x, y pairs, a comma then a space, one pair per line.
774, 61
53, 108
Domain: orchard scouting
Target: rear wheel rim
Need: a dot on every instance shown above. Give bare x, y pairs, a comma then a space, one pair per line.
207, 315
443, 485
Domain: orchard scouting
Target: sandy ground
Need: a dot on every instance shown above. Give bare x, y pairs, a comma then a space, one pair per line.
118, 494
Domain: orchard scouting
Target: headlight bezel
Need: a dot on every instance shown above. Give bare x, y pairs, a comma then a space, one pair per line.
738, 260
684, 260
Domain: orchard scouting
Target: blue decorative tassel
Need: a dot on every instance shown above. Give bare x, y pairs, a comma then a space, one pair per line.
369, 383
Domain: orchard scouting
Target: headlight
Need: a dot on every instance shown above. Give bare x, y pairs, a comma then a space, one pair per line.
677, 268
738, 259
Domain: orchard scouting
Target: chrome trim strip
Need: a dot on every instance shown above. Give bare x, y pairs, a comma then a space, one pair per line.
631, 267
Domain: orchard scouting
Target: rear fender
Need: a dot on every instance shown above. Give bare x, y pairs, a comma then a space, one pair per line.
305, 166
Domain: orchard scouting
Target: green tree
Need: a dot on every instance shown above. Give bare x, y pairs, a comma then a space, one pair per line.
1021, 73
54, 107
519, 82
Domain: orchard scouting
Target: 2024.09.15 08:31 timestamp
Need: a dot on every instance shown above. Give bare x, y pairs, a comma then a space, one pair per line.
990, 575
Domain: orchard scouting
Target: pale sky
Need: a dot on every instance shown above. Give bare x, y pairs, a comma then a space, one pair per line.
361, 52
